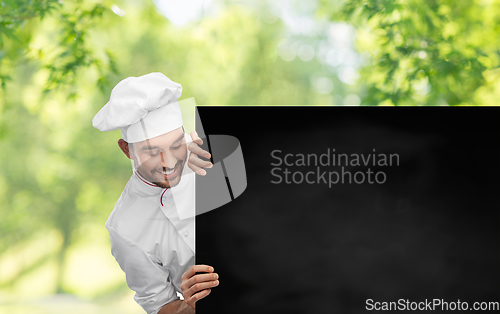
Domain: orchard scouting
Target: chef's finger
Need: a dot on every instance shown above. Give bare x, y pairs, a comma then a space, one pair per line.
197, 169
191, 301
197, 279
194, 148
197, 287
197, 269
194, 159
196, 138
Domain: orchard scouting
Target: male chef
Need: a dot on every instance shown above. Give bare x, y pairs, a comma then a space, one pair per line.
152, 225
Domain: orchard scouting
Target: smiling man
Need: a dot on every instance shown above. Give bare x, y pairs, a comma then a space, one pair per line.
152, 225
156, 166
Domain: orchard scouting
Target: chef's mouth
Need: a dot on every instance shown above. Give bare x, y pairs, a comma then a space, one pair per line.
169, 174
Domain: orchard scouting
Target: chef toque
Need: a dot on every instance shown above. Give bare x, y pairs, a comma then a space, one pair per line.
142, 108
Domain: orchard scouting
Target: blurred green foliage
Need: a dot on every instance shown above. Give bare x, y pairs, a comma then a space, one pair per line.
438, 52
65, 51
60, 178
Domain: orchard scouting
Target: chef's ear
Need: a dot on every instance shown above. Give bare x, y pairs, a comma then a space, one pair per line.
124, 146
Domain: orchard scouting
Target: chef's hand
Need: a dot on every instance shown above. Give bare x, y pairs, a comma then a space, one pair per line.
195, 163
197, 286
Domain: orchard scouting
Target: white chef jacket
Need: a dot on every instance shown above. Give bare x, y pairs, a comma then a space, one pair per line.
152, 245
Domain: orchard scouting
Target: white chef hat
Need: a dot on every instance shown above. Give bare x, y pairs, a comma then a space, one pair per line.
142, 108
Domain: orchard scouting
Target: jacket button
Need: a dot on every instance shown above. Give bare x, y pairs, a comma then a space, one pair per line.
186, 234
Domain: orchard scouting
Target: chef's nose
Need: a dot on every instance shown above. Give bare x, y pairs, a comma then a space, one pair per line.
168, 160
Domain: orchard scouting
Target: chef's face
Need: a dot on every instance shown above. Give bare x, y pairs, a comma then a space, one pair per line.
160, 160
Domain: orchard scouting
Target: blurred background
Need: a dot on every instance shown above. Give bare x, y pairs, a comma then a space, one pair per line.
59, 60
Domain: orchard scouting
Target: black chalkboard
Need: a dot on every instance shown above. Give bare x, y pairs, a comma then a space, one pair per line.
429, 231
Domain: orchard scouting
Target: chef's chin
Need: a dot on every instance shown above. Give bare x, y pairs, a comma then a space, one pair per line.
169, 183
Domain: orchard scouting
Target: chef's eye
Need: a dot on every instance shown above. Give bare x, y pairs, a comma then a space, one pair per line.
175, 147
155, 153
